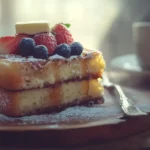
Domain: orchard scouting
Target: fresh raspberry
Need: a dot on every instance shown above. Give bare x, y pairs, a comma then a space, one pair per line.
46, 39
62, 34
9, 44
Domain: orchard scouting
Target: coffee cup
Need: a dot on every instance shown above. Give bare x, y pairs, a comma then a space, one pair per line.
141, 39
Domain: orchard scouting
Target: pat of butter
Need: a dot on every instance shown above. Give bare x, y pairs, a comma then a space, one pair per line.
32, 28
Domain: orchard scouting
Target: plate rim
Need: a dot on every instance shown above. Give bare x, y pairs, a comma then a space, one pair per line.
56, 127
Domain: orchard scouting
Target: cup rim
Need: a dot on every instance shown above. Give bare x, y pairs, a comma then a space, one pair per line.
141, 24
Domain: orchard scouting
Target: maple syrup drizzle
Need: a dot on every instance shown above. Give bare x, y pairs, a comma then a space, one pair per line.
85, 87
85, 84
56, 95
13, 104
84, 67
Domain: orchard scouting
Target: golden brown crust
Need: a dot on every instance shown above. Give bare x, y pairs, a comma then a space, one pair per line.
21, 73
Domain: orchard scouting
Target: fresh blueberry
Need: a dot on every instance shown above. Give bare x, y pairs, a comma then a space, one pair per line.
63, 50
76, 48
26, 47
40, 51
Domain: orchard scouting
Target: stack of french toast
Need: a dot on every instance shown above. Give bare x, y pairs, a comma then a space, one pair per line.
43, 68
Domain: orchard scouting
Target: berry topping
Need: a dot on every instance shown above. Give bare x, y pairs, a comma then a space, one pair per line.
9, 44
63, 50
26, 47
62, 34
41, 51
76, 48
47, 39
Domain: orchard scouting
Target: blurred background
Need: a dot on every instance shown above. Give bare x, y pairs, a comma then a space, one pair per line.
98, 24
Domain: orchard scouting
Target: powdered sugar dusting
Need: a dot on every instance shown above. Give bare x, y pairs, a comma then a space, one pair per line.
86, 54
76, 114
4, 101
17, 58
72, 114
55, 57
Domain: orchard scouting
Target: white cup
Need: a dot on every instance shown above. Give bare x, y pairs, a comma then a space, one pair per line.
141, 39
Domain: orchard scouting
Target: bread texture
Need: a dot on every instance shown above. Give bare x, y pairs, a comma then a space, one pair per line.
20, 73
33, 101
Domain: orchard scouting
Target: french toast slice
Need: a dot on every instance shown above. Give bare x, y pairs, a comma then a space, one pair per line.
29, 102
20, 73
